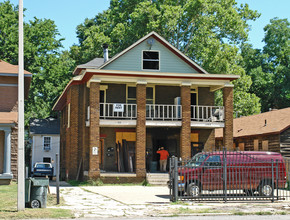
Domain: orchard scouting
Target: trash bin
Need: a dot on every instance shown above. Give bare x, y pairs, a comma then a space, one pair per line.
153, 166
36, 192
27, 191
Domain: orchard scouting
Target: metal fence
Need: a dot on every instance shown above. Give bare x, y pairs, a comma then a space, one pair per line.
229, 176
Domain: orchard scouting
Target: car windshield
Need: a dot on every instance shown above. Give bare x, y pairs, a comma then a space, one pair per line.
42, 165
196, 160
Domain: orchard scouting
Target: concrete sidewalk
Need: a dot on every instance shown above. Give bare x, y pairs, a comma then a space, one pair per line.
134, 195
152, 201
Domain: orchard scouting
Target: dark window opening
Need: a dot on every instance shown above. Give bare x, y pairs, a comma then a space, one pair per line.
47, 160
150, 60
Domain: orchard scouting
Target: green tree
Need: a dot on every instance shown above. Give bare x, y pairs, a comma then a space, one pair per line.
208, 31
50, 67
269, 68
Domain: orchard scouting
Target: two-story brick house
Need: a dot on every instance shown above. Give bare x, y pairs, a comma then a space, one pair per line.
116, 112
9, 119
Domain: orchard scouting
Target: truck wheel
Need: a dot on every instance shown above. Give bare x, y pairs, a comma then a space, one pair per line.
193, 189
35, 204
265, 189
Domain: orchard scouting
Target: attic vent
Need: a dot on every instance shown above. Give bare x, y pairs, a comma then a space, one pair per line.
150, 60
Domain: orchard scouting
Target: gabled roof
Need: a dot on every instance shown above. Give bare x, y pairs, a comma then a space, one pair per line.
44, 126
9, 69
96, 62
275, 121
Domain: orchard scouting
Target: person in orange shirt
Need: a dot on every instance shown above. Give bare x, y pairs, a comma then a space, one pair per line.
163, 158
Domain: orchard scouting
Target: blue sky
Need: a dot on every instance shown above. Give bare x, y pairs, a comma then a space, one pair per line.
67, 14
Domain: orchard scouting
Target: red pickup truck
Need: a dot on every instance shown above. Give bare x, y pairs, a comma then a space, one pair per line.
252, 172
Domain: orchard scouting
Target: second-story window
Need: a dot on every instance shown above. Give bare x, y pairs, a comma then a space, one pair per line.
46, 143
150, 60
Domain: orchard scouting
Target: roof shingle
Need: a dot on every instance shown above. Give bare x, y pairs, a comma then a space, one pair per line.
274, 121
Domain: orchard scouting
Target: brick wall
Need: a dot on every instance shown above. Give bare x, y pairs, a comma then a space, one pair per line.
141, 130
185, 148
228, 129
94, 171
205, 97
74, 132
207, 136
14, 151
166, 94
8, 97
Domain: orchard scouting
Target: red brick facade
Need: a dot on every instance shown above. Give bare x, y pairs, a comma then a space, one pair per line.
94, 132
141, 130
185, 148
228, 129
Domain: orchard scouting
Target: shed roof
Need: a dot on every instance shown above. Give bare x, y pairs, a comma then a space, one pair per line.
274, 121
45, 126
95, 63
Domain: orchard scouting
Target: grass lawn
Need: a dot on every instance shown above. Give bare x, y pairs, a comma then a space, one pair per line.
8, 206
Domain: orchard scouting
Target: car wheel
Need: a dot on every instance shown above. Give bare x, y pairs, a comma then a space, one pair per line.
266, 189
193, 189
35, 204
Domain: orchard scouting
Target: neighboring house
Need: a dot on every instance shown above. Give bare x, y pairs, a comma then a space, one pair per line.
9, 119
116, 113
268, 131
45, 137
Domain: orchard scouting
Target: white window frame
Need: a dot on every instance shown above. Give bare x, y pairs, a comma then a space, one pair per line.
159, 54
44, 147
68, 115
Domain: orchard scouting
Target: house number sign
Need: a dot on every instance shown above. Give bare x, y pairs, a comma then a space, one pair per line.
95, 150
118, 107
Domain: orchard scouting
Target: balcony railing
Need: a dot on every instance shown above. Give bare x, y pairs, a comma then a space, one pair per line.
163, 112
123, 111
118, 111
207, 113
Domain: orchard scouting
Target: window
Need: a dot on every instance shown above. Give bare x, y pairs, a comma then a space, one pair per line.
213, 161
46, 143
68, 115
131, 94
150, 60
46, 160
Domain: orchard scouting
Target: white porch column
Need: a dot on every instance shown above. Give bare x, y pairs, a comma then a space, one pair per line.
7, 152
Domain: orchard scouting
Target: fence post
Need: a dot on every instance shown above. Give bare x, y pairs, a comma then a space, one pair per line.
277, 179
272, 167
175, 179
225, 173
170, 178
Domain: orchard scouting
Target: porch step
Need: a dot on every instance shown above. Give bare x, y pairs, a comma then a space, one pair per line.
157, 179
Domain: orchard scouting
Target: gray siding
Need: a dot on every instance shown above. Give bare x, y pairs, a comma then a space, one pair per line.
205, 97
116, 93
132, 60
166, 94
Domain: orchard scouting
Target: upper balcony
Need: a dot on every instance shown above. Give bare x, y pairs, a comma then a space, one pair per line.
112, 114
